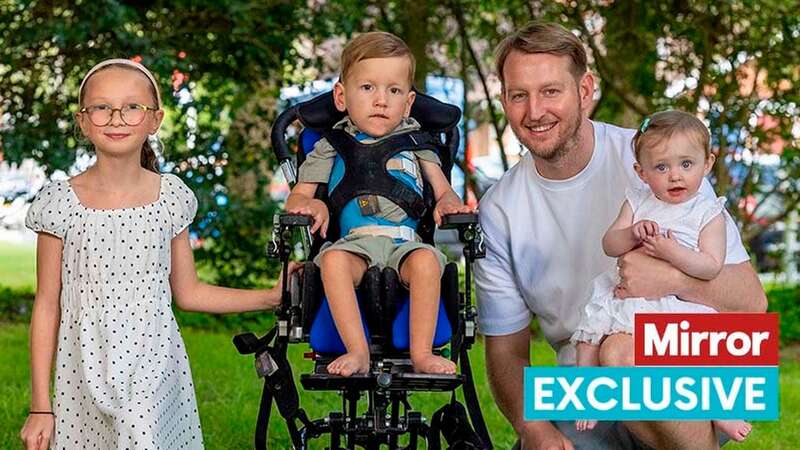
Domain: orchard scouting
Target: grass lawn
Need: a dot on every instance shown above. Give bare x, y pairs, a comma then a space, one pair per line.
17, 265
228, 394
228, 390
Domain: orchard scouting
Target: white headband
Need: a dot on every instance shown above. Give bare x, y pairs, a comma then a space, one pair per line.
124, 62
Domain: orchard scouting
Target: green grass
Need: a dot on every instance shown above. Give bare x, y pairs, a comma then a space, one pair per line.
17, 265
228, 393
228, 390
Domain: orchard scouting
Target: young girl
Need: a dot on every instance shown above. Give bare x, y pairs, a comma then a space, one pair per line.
112, 250
672, 222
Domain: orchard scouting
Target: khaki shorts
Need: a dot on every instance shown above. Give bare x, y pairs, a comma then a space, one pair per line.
381, 251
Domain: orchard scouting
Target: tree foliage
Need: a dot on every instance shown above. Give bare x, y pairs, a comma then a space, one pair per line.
229, 57
734, 63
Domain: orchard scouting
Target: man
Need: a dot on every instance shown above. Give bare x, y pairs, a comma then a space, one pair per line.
543, 224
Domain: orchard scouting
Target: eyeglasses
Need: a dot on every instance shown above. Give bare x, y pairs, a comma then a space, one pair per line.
131, 115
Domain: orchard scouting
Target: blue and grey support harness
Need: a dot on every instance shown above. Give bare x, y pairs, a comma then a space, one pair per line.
383, 169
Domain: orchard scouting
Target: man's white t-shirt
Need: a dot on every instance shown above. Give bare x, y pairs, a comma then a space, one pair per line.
544, 240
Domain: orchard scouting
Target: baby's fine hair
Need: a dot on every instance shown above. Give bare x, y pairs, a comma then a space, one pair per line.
375, 44
660, 126
148, 159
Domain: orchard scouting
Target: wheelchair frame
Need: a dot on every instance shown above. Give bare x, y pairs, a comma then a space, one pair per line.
389, 414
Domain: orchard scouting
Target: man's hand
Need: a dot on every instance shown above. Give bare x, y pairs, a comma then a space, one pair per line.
543, 436
660, 246
642, 275
318, 211
449, 203
644, 229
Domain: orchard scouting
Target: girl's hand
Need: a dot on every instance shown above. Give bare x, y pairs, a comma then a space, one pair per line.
272, 297
660, 246
644, 228
318, 211
37, 431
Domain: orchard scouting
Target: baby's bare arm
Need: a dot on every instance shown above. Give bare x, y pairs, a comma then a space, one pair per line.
705, 264
619, 238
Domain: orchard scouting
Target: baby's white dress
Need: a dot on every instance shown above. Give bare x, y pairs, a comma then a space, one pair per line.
606, 314
122, 377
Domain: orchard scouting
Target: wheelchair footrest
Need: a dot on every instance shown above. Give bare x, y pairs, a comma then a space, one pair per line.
383, 380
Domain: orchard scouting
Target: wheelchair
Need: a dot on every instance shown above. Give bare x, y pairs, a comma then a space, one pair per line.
304, 317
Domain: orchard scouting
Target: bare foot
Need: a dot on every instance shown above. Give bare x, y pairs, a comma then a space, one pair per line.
736, 429
349, 363
430, 363
584, 425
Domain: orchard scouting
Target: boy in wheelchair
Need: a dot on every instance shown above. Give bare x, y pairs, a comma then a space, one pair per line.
375, 91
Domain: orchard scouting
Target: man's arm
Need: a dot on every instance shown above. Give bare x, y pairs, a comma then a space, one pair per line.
736, 288
506, 359
504, 320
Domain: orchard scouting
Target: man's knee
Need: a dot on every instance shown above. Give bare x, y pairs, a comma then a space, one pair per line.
617, 350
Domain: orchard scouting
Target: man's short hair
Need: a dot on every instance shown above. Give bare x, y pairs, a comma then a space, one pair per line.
375, 44
542, 37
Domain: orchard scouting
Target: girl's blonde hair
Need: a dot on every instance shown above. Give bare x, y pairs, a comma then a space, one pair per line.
148, 159
661, 126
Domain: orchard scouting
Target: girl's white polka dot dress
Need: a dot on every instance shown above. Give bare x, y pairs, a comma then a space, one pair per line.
122, 377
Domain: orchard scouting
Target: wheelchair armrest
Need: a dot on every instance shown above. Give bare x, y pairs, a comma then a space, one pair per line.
282, 226
459, 220
469, 233
295, 220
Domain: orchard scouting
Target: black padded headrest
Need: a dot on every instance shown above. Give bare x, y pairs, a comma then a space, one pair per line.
321, 114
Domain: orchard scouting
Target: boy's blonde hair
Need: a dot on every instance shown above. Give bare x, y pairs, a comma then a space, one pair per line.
663, 125
375, 44
542, 37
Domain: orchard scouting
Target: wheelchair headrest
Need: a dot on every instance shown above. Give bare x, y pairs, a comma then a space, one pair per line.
321, 114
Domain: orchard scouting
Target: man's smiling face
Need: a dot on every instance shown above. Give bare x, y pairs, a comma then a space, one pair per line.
542, 101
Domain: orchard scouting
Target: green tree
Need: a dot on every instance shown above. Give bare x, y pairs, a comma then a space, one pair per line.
732, 62
229, 57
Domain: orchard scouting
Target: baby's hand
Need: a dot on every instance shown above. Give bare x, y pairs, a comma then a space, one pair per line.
660, 246
449, 203
318, 211
644, 228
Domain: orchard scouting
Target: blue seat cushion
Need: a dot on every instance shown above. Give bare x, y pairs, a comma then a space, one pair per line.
324, 338
400, 335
